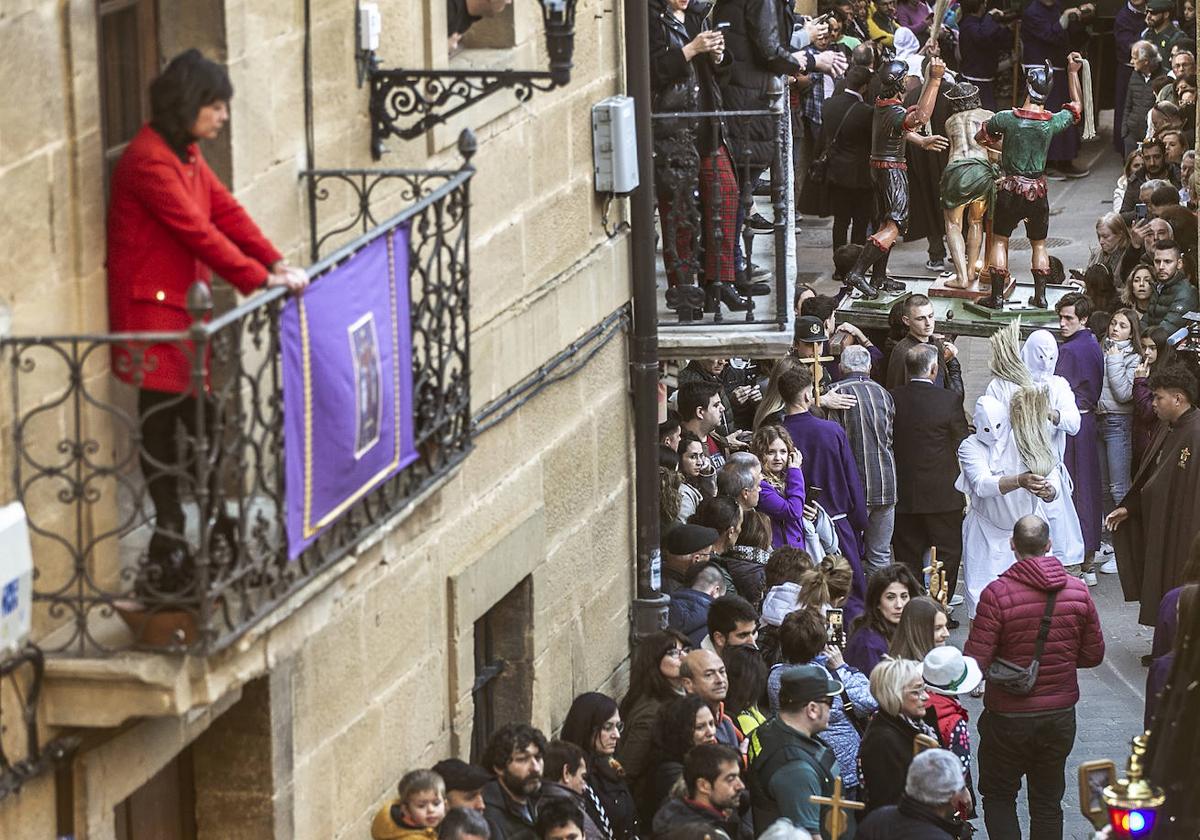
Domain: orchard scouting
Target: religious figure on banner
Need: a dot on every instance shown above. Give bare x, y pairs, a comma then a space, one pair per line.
1026, 133
364, 346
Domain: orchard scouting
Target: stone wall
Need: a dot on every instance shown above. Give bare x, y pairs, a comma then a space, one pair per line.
544, 501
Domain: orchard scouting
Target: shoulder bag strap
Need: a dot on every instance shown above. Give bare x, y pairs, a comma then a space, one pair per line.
838, 130
1044, 630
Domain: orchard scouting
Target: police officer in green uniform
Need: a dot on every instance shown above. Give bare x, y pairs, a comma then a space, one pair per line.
1160, 30
788, 762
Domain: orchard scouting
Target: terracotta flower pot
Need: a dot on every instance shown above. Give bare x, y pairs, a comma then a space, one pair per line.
160, 628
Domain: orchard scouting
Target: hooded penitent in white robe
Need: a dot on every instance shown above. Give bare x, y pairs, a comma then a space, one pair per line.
1040, 354
984, 458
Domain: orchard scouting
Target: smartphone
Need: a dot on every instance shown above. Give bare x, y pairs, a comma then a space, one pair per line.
1139, 211
835, 629
814, 496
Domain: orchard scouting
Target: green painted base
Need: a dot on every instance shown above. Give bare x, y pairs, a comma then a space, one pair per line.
1010, 311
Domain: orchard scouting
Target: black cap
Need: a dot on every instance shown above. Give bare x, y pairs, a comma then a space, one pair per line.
688, 539
801, 684
810, 329
1160, 6
458, 775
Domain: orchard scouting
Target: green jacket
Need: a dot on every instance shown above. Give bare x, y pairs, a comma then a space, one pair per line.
1170, 302
787, 769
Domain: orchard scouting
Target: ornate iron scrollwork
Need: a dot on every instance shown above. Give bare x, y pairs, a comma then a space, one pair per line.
434, 96
37, 759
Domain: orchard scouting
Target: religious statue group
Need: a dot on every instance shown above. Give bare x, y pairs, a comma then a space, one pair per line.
996, 171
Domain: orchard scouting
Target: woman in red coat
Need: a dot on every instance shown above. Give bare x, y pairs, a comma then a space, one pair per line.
171, 223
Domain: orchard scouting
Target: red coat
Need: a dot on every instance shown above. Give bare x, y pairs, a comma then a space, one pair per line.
171, 223
1006, 626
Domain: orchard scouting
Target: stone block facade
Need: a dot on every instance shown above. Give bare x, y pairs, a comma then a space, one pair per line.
372, 676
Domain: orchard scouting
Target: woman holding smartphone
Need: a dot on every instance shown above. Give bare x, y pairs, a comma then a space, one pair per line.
1114, 412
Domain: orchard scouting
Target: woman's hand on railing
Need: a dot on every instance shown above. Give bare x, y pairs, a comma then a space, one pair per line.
282, 274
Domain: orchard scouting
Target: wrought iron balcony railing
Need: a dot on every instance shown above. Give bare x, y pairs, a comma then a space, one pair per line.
77, 456
699, 230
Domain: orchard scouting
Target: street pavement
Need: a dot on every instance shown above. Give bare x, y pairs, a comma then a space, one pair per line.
1112, 696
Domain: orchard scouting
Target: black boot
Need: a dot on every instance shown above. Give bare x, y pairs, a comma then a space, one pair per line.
723, 294
999, 279
880, 279
856, 278
1039, 289
749, 287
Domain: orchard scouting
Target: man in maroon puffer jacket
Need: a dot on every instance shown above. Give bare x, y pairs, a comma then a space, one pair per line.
1031, 735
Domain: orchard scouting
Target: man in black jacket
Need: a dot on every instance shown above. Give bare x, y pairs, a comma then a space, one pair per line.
934, 793
846, 134
712, 773
510, 800
928, 427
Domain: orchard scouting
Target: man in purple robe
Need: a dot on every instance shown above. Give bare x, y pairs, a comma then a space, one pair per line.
1081, 363
1044, 38
1127, 30
828, 464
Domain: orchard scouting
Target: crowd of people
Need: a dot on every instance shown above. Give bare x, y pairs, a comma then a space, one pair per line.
718, 69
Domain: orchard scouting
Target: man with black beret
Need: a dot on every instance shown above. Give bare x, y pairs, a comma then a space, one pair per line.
683, 546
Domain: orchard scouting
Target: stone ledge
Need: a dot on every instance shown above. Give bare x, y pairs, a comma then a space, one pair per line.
105, 692
758, 341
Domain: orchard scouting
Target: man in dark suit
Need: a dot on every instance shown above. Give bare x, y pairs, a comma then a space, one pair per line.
846, 133
928, 427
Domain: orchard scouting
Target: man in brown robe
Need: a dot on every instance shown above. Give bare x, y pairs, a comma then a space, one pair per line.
1160, 515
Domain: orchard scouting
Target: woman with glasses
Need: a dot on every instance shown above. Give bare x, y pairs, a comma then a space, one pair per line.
653, 680
898, 686
593, 724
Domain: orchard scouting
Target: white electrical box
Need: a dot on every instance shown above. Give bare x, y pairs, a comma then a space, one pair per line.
614, 145
369, 26
16, 578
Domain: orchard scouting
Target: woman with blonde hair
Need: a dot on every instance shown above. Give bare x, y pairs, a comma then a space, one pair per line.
1112, 237
771, 408
898, 686
782, 496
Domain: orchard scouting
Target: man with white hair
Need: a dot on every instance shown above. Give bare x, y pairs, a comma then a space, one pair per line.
935, 792
740, 479
868, 425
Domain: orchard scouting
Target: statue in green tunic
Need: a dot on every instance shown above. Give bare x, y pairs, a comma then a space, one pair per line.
1026, 133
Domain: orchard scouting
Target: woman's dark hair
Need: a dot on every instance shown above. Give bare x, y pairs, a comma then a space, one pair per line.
880, 581
645, 678
188, 83
914, 634
586, 717
667, 458
674, 730
719, 513
747, 679
756, 530
1166, 352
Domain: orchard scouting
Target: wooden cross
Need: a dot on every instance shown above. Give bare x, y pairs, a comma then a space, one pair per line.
937, 578
816, 371
835, 819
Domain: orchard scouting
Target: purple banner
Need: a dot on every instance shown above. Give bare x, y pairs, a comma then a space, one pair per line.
347, 386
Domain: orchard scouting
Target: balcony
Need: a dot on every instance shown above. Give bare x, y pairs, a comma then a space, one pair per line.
692, 221
158, 640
